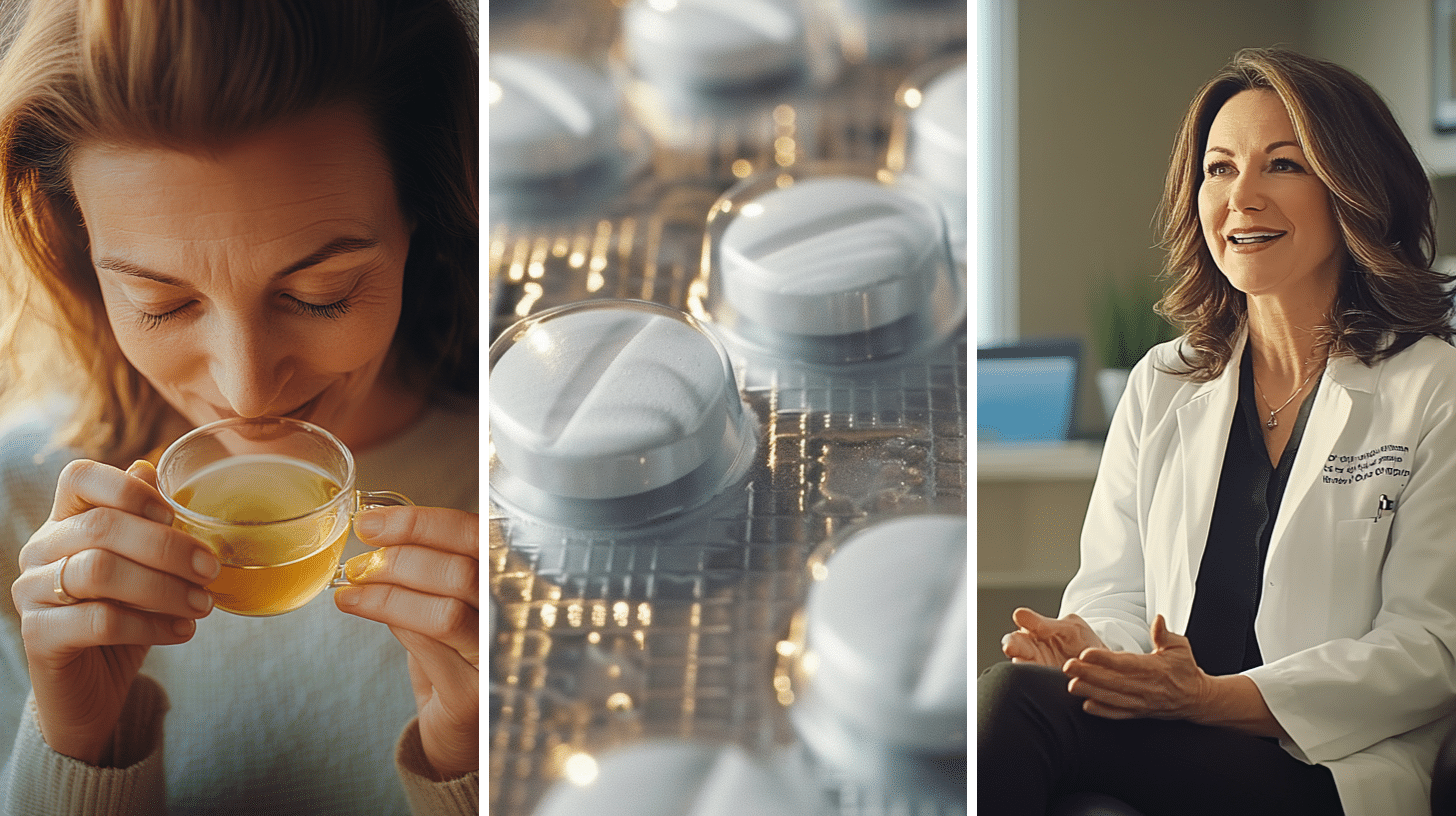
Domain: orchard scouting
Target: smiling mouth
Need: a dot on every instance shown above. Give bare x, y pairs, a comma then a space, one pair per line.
1254, 238
297, 413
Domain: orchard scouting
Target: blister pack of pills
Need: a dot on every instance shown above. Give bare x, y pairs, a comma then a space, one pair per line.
728, 407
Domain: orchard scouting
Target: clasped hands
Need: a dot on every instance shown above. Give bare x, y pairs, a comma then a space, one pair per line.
1164, 684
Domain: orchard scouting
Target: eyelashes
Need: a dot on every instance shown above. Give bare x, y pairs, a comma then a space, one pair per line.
327, 311
1223, 167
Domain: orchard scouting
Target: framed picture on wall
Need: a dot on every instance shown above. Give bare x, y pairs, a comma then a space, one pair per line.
1443, 77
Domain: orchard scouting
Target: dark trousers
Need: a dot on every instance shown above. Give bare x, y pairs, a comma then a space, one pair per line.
1035, 743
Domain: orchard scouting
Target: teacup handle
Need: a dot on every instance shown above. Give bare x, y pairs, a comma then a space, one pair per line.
368, 500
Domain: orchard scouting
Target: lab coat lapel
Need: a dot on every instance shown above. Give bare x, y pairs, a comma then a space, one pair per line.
1327, 419
1203, 429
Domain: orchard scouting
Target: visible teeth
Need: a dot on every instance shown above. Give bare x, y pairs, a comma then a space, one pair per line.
1254, 237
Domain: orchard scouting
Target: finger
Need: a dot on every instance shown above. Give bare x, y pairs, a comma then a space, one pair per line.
1029, 619
1164, 638
448, 620
1159, 631
85, 484
63, 630
1019, 645
439, 527
139, 539
447, 692
1107, 658
455, 679
97, 574
146, 471
1122, 698
420, 568
1099, 709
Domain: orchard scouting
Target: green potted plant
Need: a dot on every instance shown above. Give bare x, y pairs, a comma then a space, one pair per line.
1124, 327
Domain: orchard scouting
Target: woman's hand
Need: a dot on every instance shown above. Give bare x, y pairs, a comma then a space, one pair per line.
1048, 641
425, 584
132, 581
1166, 684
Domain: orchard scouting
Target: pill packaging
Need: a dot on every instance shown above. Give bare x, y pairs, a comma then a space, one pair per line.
727, 281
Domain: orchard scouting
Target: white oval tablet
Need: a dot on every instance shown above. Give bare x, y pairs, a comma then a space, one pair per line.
713, 43
603, 403
549, 116
676, 778
830, 256
887, 629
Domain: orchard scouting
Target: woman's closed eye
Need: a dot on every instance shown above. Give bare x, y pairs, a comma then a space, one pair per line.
154, 319
331, 311
151, 319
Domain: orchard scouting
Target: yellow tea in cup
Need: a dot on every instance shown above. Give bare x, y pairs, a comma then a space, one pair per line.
276, 556
273, 498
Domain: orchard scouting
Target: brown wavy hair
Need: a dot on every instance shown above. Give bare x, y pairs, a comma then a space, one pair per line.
188, 74
1388, 295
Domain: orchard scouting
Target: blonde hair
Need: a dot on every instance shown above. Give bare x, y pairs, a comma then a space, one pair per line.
186, 74
1379, 192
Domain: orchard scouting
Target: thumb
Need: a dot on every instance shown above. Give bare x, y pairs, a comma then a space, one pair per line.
1162, 638
1029, 619
142, 469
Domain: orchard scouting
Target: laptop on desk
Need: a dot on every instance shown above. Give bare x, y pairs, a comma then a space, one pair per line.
1026, 393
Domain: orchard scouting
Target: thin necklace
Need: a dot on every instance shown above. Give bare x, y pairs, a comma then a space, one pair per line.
1274, 412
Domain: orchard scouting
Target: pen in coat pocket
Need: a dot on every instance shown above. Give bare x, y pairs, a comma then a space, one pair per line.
1383, 506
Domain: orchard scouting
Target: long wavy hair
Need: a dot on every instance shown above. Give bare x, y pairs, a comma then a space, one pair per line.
188, 74
1388, 295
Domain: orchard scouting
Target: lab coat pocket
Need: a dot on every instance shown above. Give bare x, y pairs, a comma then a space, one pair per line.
1356, 563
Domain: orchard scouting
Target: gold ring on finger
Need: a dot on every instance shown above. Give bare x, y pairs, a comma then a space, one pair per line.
61, 595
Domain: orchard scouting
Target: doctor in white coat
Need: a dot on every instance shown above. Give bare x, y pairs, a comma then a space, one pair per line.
1322, 579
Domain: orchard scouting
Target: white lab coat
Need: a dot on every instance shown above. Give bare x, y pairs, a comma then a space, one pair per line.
1357, 623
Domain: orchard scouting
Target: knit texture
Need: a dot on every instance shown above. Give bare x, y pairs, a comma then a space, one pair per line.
296, 714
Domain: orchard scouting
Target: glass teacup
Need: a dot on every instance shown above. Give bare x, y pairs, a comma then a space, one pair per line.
274, 499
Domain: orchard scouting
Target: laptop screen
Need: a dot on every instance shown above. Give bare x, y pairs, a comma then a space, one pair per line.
1026, 393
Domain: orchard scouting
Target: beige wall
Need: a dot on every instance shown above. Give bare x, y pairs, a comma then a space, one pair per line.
1391, 48
1103, 85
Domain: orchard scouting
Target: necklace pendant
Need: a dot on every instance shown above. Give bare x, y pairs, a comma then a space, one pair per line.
1272, 423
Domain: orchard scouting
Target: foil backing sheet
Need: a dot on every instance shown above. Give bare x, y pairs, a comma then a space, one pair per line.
605, 639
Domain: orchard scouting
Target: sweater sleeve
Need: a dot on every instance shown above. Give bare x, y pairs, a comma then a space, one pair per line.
37, 781
455, 797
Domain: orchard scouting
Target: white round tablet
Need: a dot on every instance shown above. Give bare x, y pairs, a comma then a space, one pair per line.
609, 401
886, 631
714, 43
675, 778
937, 149
830, 256
549, 116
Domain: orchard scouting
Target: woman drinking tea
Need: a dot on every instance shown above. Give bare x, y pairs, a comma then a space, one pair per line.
217, 210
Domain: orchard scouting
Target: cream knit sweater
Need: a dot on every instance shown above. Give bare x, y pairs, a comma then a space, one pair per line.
296, 714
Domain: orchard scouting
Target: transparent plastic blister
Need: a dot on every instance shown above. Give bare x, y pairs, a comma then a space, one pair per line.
613, 636
561, 145
724, 69
829, 267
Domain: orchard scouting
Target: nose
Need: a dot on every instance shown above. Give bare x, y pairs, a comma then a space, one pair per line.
1246, 193
248, 366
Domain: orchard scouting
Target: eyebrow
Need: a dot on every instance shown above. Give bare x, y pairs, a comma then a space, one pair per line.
1273, 146
334, 248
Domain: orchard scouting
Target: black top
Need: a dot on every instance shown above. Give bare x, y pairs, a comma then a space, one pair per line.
1230, 576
